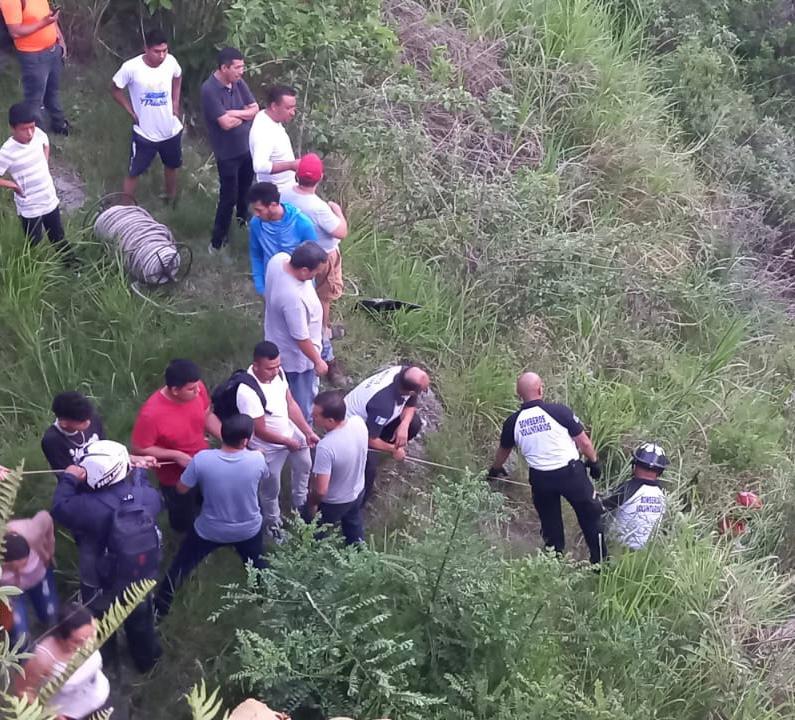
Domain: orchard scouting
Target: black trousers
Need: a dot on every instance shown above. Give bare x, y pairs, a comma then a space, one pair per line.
374, 458
572, 483
348, 516
193, 550
139, 629
35, 228
182, 509
235, 176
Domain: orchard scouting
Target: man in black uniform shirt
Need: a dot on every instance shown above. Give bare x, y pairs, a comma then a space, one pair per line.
76, 425
387, 402
551, 438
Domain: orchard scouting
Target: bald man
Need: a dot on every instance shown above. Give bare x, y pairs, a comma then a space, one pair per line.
387, 402
551, 438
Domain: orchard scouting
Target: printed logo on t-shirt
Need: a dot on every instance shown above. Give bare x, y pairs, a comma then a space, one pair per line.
381, 420
534, 424
154, 99
650, 504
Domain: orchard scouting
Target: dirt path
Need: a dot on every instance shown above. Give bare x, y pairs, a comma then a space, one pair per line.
69, 185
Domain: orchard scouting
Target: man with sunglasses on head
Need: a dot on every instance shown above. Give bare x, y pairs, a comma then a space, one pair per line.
387, 402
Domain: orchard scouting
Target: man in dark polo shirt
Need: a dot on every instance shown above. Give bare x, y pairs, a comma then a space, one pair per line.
551, 438
229, 107
387, 402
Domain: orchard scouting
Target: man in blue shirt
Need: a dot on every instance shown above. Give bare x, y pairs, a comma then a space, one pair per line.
229, 481
275, 227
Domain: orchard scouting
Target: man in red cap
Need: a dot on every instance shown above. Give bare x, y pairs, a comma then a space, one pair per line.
331, 227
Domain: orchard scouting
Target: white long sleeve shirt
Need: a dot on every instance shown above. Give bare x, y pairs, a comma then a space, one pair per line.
269, 143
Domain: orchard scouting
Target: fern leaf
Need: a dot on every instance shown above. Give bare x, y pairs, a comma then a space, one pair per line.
110, 622
203, 706
9, 487
101, 714
115, 616
20, 708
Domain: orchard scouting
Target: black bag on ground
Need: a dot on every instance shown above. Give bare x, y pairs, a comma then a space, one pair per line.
224, 397
133, 549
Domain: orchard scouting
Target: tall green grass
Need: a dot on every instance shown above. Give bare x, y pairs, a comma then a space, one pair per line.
600, 269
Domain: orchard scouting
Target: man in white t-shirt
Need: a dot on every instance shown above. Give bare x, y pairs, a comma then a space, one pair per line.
281, 433
331, 227
25, 156
271, 150
154, 83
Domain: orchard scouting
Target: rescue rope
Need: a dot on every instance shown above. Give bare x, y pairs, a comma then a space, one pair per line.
421, 461
57, 470
149, 252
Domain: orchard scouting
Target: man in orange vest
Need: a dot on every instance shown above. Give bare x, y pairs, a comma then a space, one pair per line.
41, 50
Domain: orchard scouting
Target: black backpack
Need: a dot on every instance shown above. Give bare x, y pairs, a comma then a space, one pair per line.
133, 548
224, 397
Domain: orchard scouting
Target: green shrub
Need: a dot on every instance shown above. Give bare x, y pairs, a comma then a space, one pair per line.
440, 626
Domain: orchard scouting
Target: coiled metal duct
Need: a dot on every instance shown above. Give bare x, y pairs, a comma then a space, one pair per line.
148, 250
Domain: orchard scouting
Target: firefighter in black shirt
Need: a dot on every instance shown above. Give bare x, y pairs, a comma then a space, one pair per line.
387, 402
551, 439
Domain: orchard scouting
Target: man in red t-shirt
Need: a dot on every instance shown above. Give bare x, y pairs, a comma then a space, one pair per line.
171, 427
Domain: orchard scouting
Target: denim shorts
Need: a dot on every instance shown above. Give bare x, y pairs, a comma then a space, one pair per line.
143, 152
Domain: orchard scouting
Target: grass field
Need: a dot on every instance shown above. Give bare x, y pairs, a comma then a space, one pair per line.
91, 332
610, 266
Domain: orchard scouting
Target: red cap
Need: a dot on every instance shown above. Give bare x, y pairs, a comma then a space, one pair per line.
310, 168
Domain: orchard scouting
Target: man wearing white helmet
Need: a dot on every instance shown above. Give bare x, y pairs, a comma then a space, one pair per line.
111, 510
638, 505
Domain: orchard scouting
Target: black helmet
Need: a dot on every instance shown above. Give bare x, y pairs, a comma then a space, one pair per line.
650, 456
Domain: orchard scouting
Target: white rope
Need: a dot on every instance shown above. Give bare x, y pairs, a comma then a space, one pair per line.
58, 470
147, 247
420, 461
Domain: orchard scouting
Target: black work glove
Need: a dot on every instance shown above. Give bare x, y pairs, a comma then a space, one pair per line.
594, 469
495, 473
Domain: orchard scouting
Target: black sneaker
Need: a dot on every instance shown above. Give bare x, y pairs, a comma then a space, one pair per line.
62, 129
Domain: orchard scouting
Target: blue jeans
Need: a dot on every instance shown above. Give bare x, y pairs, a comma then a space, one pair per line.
327, 351
41, 82
304, 386
44, 599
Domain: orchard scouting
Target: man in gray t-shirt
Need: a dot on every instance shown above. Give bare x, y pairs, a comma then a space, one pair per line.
294, 319
338, 474
229, 481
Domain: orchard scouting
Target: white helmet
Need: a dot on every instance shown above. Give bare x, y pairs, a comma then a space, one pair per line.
106, 462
